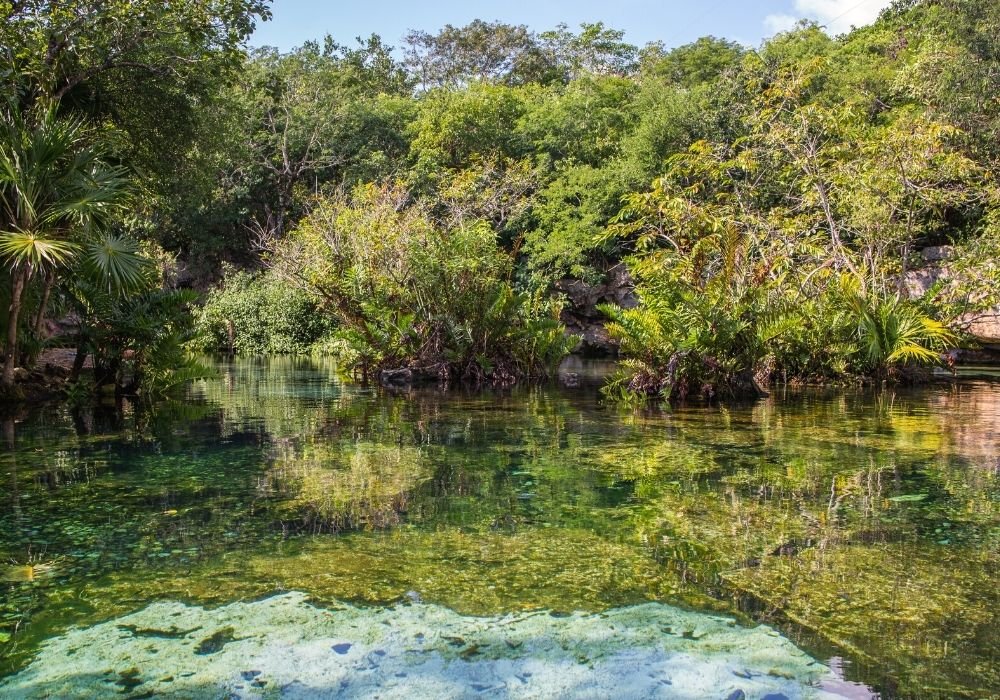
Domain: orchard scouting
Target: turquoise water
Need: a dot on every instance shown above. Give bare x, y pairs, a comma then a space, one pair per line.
864, 527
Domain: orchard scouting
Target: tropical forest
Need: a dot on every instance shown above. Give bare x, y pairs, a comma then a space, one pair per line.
499, 359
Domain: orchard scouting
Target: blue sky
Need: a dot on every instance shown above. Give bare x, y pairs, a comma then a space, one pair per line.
675, 22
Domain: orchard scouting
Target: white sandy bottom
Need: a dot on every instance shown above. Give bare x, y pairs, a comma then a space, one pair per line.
285, 647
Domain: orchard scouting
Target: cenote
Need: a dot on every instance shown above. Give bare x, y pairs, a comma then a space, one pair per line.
501, 529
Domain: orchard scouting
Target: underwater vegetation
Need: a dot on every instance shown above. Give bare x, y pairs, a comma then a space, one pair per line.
863, 527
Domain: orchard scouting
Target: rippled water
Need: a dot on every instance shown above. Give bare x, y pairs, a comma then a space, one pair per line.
865, 527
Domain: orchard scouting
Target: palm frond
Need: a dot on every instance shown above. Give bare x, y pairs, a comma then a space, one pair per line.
32, 251
117, 262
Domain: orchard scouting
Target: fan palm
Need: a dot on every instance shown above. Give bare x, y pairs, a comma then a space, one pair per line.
892, 330
56, 189
112, 268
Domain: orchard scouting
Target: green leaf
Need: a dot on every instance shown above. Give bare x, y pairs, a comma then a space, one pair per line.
116, 260
30, 250
909, 498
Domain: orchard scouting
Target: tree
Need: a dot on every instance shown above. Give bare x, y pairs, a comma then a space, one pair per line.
145, 65
370, 67
62, 47
876, 189
154, 71
569, 218
692, 64
583, 122
597, 49
452, 127
415, 296
805, 42
792, 241
292, 118
56, 188
956, 67
480, 51
298, 122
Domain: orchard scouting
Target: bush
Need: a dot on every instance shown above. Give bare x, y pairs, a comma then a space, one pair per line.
133, 327
701, 329
729, 331
411, 292
258, 314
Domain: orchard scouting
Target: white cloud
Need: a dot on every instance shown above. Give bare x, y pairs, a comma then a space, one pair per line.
780, 23
837, 16
841, 15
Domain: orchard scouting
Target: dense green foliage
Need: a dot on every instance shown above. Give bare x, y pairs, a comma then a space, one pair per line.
758, 197
129, 322
259, 314
430, 297
98, 134
786, 249
56, 193
793, 187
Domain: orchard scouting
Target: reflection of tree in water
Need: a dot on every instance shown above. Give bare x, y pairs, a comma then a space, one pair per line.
864, 520
330, 488
871, 523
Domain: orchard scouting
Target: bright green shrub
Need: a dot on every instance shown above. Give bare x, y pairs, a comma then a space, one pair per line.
413, 292
265, 315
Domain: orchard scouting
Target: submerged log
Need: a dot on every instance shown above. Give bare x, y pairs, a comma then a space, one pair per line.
396, 378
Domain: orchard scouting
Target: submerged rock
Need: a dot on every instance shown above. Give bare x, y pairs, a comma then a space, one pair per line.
288, 642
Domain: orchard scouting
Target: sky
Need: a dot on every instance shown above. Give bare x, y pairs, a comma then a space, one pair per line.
674, 22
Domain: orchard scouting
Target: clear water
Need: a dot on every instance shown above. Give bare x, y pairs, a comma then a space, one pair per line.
865, 527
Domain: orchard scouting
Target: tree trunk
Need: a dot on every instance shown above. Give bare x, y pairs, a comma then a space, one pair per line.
10, 352
79, 359
36, 325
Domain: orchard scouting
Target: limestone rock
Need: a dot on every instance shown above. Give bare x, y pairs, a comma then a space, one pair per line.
582, 317
285, 647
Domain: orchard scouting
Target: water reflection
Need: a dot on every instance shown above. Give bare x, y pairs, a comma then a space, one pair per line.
865, 526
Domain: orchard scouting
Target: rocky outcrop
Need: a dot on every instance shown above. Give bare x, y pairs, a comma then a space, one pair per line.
42, 383
581, 315
919, 281
983, 326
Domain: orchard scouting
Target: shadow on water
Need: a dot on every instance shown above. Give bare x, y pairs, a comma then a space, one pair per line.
865, 527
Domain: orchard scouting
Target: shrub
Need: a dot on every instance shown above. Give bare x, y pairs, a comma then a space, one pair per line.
134, 328
708, 323
412, 292
259, 314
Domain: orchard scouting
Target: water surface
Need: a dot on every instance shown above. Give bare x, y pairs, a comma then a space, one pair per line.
865, 527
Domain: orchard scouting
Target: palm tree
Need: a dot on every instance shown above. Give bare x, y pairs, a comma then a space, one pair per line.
892, 330
113, 269
57, 189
